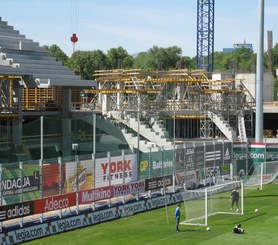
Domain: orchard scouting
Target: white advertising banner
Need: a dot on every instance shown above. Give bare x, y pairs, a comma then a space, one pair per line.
114, 171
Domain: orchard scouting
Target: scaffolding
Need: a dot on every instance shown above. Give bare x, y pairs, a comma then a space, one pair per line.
182, 94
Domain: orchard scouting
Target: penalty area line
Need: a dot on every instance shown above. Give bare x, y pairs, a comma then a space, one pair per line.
166, 238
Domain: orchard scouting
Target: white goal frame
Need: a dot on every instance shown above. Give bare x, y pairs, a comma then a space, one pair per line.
262, 173
204, 208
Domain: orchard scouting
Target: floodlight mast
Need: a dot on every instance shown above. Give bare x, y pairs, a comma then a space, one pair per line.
259, 78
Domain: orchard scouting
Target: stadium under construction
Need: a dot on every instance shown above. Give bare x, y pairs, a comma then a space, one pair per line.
118, 109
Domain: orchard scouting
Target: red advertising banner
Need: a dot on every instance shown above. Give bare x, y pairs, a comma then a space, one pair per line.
94, 195
129, 188
54, 203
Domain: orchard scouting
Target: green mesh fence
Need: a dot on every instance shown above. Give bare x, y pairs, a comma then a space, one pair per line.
46, 138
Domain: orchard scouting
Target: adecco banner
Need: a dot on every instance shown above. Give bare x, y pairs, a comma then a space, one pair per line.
155, 164
54, 203
94, 195
114, 171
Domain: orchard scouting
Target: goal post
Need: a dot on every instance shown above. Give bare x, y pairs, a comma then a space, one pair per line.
261, 173
203, 203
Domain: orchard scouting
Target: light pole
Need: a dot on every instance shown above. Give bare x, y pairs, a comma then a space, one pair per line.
259, 78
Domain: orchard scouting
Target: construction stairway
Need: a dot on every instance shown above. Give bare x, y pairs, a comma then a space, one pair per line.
223, 126
152, 130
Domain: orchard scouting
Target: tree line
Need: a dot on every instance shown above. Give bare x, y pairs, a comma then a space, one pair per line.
85, 63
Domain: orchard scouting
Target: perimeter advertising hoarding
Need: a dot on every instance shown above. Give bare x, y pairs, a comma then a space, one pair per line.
240, 155
271, 152
94, 195
129, 188
185, 158
54, 203
17, 185
55, 227
15, 211
218, 153
117, 173
85, 176
160, 182
155, 164
257, 153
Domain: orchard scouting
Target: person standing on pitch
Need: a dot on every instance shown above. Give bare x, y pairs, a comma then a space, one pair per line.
234, 198
177, 216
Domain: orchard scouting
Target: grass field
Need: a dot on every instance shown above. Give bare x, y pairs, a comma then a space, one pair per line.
152, 228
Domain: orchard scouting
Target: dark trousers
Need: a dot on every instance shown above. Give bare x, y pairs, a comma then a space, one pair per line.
177, 224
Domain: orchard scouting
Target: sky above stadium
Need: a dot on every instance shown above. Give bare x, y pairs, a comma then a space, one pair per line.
136, 25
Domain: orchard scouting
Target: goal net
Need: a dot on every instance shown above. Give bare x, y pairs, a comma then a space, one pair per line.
203, 203
261, 173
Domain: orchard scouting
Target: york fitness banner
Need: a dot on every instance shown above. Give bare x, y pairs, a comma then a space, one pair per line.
155, 164
114, 171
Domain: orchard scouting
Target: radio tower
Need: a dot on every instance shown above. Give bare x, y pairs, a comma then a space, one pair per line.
205, 34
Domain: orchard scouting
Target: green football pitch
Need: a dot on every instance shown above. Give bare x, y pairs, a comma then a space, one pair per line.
152, 227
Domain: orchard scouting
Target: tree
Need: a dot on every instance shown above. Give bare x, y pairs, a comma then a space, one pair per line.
242, 60
119, 58
159, 58
57, 53
86, 62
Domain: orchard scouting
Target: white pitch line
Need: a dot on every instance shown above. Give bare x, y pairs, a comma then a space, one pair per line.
166, 238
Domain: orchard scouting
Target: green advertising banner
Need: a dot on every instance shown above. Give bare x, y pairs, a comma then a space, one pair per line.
257, 153
271, 152
240, 156
155, 164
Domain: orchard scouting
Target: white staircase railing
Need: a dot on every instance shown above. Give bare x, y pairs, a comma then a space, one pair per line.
154, 132
241, 128
223, 126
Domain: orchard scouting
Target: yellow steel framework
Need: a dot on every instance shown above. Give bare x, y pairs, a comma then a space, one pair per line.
180, 93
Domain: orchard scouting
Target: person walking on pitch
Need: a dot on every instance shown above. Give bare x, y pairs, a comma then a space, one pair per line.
177, 216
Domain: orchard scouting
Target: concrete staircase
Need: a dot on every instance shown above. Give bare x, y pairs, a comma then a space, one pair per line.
241, 128
4, 61
152, 131
223, 126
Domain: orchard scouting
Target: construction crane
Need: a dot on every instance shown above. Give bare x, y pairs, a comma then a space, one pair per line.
205, 35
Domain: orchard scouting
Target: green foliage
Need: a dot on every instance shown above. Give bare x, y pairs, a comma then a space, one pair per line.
275, 57
118, 58
276, 88
86, 62
158, 58
57, 53
240, 60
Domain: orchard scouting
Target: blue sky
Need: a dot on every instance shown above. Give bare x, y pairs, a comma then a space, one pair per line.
136, 25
